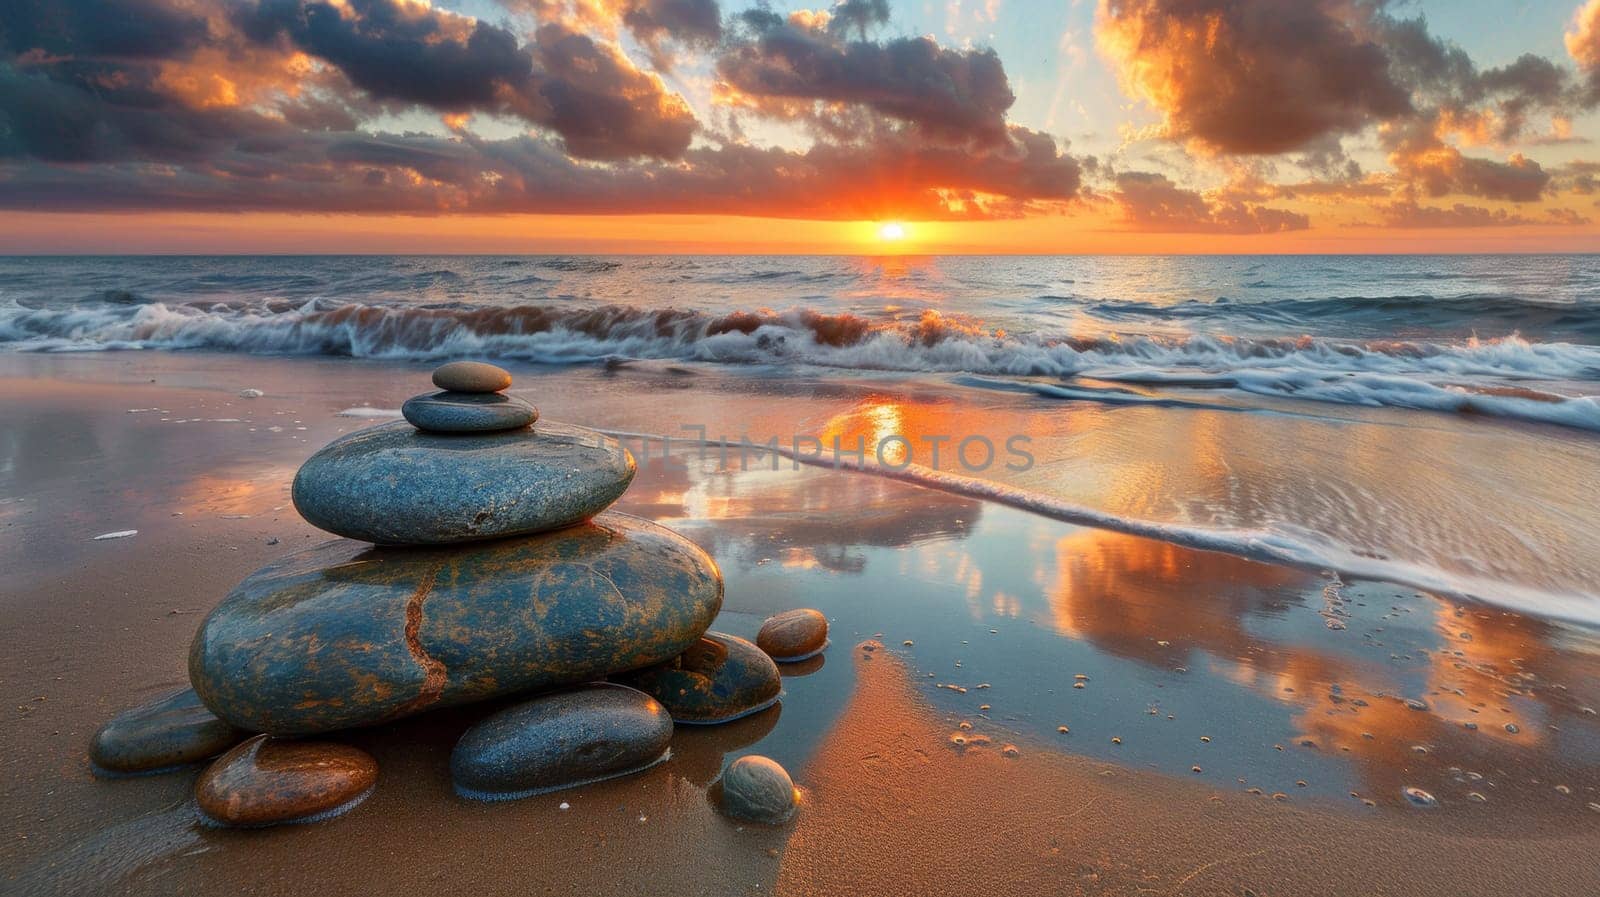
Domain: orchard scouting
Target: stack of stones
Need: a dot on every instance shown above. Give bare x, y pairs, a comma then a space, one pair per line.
478, 561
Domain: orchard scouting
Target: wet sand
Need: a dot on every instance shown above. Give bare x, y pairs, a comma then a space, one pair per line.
1291, 676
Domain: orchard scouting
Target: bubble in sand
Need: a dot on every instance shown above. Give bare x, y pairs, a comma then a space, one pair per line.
983, 706
1115, 740
1010, 750
1595, 806
1475, 797
964, 725
1512, 728
1418, 797
1419, 749
1563, 789
251, 393
1077, 685
908, 643
1205, 739
1062, 729
1415, 704
1194, 769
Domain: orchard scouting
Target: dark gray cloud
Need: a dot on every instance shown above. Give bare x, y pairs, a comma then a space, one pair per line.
692, 22
130, 29
952, 96
598, 101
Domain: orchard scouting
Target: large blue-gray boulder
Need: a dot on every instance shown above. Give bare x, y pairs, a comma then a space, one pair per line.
345, 634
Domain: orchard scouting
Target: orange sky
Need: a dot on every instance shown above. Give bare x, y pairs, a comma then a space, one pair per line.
275, 233
728, 126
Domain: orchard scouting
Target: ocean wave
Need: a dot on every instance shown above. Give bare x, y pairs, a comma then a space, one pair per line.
1465, 376
1408, 312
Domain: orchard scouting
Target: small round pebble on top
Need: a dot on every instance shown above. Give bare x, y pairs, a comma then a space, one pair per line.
758, 789
471, 376
793, 635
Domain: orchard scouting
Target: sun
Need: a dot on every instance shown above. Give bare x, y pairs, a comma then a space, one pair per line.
892, 232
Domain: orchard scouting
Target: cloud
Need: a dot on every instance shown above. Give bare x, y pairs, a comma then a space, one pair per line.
694, 22
1267, 77
796, 66
586, 91
1149, 201
1437, 169
1251, 76
1583, 45
1405, 214
423, 174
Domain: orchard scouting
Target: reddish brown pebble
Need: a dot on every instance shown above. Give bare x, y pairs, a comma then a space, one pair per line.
267, 781
793, 635
471, 376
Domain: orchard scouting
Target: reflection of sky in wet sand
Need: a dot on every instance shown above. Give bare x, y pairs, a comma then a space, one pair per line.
1289, 676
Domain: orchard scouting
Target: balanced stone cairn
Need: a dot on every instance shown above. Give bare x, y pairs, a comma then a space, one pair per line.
478, 561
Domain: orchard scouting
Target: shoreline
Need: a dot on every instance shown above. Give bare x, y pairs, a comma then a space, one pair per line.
986, 595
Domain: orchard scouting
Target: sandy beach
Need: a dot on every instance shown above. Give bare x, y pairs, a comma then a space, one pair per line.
1241, 727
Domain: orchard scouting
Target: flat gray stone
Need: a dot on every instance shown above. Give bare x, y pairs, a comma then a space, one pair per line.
471, 376
344, 634
758, 789
395, 485
168, 732
595, 732
468, 412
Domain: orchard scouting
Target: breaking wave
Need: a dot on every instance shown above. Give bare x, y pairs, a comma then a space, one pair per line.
1486, 377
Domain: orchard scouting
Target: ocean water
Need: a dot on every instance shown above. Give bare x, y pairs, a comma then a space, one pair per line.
1427, 420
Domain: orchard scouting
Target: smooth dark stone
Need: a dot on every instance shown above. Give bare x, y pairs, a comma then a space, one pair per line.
267, 781
172, 731
793, 635
557, 741
345, 634
758, 789
468, 412
471, 376
395, 485
719, 678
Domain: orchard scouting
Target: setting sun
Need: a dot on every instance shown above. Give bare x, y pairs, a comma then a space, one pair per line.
892, 232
